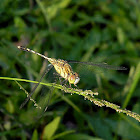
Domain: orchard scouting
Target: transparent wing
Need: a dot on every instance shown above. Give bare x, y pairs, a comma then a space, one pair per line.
102, 65
44, 101
27, 99
89, 71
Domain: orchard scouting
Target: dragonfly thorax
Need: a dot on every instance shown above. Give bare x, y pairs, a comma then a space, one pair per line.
73, 78
65, 70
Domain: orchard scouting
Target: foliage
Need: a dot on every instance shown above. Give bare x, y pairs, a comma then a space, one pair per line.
83, 30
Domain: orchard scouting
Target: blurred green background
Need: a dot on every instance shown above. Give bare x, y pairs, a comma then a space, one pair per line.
83, 30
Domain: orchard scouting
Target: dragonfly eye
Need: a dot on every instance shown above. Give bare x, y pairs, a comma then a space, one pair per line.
73, 78
77, 80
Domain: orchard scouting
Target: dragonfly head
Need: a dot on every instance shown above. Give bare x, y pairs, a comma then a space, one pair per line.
74, 78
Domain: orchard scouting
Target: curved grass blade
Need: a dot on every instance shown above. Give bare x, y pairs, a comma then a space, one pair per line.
87, 94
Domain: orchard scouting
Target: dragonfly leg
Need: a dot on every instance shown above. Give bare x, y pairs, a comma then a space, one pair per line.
56, 76
76, 86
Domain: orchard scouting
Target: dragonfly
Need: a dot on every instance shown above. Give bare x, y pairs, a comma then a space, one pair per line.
65, 71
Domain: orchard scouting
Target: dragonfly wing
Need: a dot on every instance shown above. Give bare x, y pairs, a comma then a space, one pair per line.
27, 99
89, 71
44, 101
102, 65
